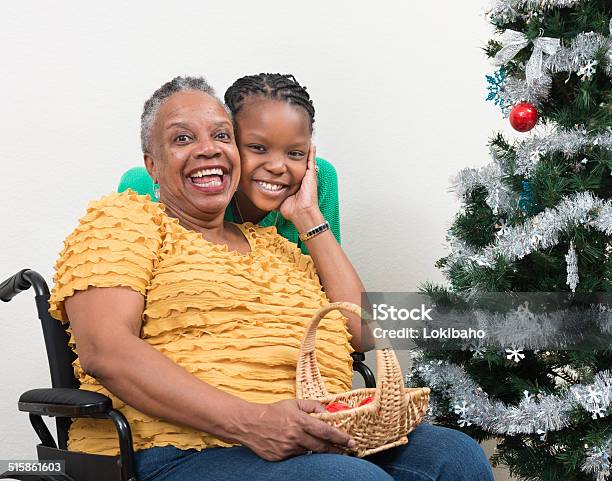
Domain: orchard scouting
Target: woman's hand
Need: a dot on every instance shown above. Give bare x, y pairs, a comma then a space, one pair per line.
306, 199
283, 429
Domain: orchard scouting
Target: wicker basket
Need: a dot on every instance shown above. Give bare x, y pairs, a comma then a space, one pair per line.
382, 424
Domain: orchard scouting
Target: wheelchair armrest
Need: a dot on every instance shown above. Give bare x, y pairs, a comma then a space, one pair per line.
65, 402
77, 403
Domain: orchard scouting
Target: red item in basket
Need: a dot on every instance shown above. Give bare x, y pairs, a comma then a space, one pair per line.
367, 400
336, 406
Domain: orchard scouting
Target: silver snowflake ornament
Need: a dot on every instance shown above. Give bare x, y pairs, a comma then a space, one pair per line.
477, 351
598, 412
461, 409
515, 354
542, 434
594, 395
463, 422
502, 225
587, 71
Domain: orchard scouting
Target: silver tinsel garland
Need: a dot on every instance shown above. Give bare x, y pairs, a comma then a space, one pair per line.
505, 11
581, 51
568, 142
517, 90
598, 461
537, 414
540, 232
499, 196
529, 152
533, 415
554, 329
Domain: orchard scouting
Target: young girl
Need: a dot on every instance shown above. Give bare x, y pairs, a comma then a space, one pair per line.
273, 115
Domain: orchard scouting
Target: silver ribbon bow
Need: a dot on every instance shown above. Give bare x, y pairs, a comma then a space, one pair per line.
513, 42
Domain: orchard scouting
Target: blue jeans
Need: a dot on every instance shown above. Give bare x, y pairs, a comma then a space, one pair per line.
432, 453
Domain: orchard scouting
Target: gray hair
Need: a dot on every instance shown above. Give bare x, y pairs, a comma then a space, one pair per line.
152, 105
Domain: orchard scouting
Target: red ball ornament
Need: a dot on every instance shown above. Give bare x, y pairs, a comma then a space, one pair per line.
336, 406
523, 117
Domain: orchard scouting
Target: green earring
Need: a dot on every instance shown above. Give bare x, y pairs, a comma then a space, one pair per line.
156, 191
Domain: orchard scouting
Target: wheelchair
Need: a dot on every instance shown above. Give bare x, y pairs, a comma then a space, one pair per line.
65, 400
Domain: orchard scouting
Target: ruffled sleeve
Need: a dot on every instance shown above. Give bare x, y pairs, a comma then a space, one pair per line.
115, 244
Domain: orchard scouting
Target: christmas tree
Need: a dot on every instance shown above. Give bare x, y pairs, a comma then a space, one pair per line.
537, 218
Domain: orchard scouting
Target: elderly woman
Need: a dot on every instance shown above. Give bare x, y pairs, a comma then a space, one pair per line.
192, 325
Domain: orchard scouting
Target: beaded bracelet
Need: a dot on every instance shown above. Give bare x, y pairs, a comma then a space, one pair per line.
315, 231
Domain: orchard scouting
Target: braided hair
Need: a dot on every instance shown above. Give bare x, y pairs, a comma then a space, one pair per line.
273, 86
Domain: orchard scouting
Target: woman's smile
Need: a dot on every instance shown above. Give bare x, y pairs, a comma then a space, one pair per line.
210, 179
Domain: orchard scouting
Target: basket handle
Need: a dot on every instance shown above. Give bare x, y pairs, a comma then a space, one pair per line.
309, 383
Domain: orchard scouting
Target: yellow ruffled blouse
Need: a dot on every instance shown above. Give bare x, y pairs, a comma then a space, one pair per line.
233, 320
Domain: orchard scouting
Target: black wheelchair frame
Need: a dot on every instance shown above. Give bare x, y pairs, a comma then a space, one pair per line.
64, 400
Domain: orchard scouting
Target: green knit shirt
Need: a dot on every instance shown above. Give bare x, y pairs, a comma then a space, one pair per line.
138, 180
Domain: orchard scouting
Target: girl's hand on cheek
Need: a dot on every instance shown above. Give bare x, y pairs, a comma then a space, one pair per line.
305, 201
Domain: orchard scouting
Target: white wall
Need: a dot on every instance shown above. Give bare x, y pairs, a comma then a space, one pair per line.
398, 87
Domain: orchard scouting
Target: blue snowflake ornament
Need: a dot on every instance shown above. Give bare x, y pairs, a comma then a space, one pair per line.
495, 84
